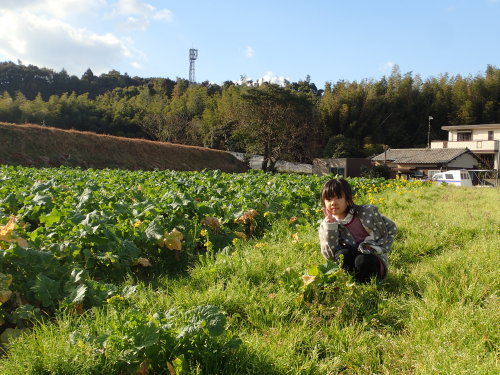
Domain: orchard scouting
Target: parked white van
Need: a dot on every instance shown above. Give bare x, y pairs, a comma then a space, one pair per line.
459, 177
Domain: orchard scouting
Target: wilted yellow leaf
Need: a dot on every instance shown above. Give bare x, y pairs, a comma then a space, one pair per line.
248, 215
292, 220
22, 242
142, 262
241, 235
308, 279
143, 368
172, 240
7, 229
5, 280
211, 222
78, 308
171, 369
5, 295
7, 233
295, 237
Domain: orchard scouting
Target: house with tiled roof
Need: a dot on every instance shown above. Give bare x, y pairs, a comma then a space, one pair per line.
417, 162
482, 139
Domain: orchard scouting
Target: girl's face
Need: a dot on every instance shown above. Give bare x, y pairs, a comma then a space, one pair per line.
337, 206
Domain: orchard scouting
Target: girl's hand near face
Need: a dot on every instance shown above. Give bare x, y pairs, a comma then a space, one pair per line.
329, 216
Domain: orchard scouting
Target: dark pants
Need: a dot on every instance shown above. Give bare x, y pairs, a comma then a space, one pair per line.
362, 266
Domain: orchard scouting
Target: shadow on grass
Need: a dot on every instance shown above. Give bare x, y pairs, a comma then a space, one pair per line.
393, 311
172, 264
243, 361
399, 284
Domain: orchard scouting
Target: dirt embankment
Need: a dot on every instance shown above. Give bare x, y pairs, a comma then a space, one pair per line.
41, 146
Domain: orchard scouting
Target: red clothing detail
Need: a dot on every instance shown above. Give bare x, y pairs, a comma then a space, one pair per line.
357, 230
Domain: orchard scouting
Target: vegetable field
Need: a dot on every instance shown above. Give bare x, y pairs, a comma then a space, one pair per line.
69, 235
91, 258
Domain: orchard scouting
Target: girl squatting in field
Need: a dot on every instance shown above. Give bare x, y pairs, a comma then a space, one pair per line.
359, 233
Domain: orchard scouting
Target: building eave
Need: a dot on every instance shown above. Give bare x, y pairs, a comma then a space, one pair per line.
471, 127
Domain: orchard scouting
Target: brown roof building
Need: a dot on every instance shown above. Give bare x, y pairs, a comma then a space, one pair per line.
416, 162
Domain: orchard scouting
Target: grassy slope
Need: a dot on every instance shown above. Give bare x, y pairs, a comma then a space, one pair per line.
41, 146
436, 313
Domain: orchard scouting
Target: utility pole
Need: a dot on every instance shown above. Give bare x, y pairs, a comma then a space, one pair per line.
429, 133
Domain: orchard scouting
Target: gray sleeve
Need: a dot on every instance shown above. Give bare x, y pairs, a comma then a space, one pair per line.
382, 234
328, 238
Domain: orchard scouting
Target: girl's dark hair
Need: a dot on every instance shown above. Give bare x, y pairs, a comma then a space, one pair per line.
336, 188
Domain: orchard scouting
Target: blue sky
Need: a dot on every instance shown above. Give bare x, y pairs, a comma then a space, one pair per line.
274, 39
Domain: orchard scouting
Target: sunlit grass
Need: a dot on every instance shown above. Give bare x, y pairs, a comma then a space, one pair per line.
436, 313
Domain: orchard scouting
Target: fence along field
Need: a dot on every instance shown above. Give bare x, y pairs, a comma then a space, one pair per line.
69, 237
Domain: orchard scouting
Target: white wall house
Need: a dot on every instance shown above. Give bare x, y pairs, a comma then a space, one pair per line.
483, 140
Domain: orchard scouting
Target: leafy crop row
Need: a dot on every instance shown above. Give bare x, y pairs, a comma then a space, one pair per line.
68, 236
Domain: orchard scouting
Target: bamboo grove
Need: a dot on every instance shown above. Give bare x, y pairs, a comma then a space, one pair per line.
296, 121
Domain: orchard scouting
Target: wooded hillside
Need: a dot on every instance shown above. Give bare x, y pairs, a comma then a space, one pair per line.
295, 122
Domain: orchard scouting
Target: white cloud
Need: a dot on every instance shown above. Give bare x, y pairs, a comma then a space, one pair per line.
134, 23
136, 65
57, 8
55, 44
271, 78
139, 14
164, 15
53, 33
249, 51
268, 77
387, 66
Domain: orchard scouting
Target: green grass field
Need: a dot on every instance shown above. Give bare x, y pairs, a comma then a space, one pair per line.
437, 312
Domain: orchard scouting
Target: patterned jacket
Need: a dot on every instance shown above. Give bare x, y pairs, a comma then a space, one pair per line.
381, 231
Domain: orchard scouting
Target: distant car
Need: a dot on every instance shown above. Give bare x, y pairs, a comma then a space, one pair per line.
459, 177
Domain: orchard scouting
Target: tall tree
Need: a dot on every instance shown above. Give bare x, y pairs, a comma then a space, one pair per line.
275, 122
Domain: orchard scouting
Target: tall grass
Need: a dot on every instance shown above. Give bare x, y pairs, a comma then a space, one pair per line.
437, 312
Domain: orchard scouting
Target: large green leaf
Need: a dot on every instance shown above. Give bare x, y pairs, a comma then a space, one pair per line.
52, 217
46, 290
155, 230
208, 318
80, 293
41, 200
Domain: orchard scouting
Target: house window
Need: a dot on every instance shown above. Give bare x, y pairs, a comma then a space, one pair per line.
490, 135
337, 171
464, 136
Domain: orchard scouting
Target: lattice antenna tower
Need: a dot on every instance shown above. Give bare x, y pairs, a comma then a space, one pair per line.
193, 55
